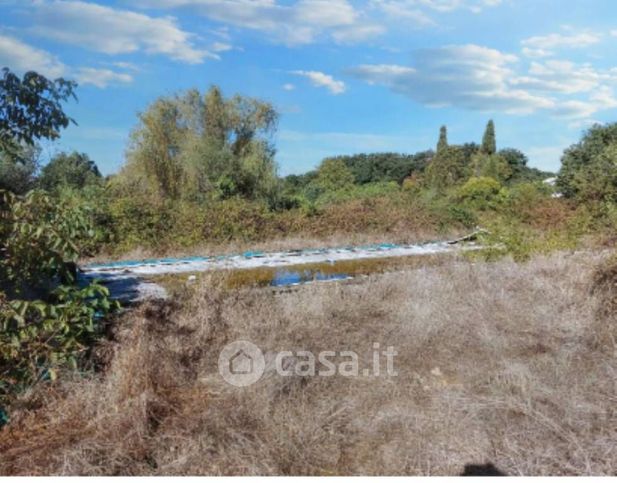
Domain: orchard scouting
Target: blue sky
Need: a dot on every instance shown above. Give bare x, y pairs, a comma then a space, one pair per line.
346, 76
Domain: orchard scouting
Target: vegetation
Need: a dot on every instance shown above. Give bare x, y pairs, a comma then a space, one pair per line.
201, 172
589, 168
46, 319
503, 363
74, 170
31, 109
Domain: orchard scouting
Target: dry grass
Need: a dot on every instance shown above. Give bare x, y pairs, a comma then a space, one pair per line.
523, 382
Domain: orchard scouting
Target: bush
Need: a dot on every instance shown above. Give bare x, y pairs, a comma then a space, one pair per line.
480, 192
46, 321
41, 239
38, 338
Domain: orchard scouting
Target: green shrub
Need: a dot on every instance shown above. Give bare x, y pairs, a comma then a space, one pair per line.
38, 338
46, 321
481, 192
41, 237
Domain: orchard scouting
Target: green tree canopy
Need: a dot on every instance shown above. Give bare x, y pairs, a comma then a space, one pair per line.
379, 167
18, 169
447, 167
333, 174
74, 170
586, 166
200, 145
31, 108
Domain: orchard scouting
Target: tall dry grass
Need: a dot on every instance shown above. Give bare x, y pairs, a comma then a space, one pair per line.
497, 363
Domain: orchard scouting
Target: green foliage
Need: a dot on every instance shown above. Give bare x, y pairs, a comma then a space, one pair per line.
383, 167
588, 168
31, 108
520, 172
446, 168
46, 321
333, 174
38, 338
597, 181
74, 170
443, 139
201, 148
480, 191
492, 166
40, 239
18, 169
489, 143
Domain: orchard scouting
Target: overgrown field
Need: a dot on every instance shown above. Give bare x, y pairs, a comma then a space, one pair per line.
512, 364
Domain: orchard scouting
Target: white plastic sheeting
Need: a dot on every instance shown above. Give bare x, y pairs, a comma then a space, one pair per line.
125, 282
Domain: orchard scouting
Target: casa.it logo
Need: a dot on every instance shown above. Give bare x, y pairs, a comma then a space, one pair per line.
241, 363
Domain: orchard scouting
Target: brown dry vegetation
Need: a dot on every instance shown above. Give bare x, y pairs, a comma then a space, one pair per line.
507, 363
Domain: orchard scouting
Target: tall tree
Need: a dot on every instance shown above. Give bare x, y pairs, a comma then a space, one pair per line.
443, 139
489, 144
587, 166
194, 145
31, 109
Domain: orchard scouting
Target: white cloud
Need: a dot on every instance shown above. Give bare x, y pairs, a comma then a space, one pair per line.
289, 87
418, 11
319, 79
535, 53
467, 76
356, 33
113, 31
221, 47
478, 78
21, 57
544, 45
101, 77
565, 77
300, 22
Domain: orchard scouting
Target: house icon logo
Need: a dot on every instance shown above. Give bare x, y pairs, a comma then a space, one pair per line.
241, 363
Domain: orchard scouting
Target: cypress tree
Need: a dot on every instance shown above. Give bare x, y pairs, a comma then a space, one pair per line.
443, 139
489, 145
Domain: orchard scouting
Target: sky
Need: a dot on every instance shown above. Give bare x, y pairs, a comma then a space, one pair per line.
346, 76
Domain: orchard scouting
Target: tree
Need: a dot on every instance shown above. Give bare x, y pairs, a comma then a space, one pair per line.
155, 147
31, 109
443, 139
194, 146
447, 167
490, 165
74, 170
585, 157
250, 118
334, 175
489, 144
380, 167
18, 170
597, 182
